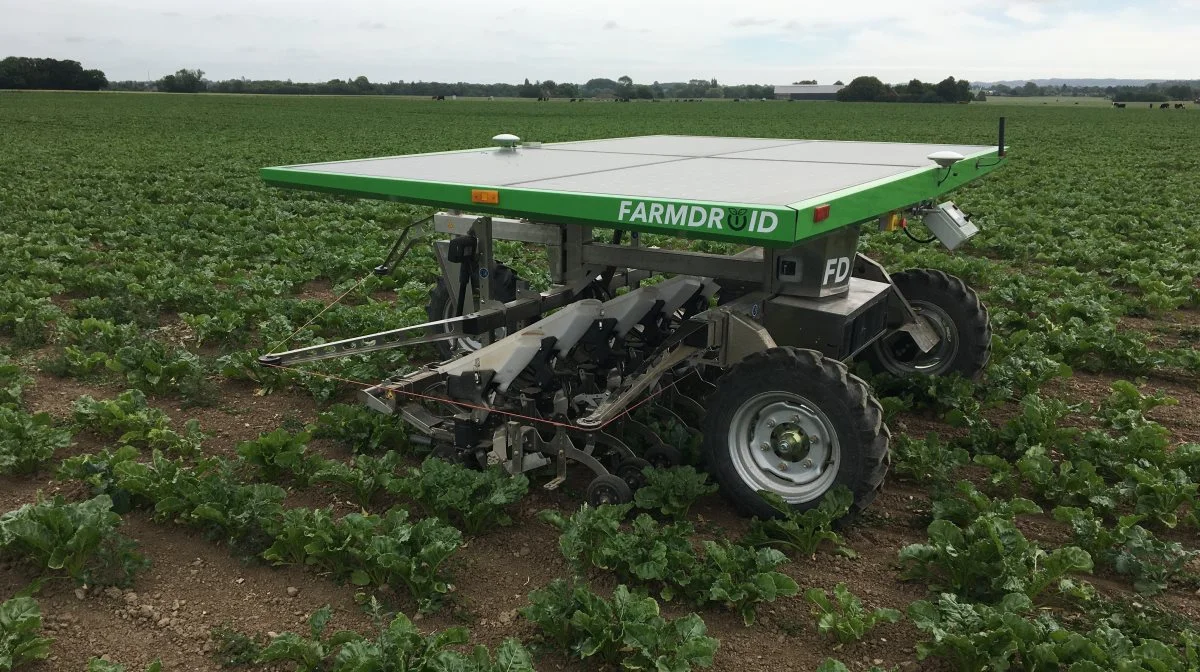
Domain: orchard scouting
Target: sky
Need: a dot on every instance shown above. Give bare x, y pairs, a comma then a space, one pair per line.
736, 41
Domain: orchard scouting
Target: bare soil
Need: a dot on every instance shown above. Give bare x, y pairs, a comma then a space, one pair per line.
195, 584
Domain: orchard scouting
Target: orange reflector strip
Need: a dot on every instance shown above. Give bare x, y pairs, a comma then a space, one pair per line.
485, 196
821, 213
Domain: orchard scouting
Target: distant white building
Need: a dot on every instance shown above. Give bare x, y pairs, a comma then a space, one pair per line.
807, 91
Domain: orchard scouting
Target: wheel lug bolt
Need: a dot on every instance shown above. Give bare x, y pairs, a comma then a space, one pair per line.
764, 445
770, 424
783, 466
806, 464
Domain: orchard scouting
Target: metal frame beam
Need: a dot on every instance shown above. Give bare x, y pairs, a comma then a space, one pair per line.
680, 262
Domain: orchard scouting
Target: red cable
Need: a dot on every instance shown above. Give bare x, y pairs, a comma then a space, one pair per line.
489, 409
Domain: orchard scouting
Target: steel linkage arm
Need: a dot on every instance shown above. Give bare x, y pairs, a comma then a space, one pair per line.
384, 340
508, 315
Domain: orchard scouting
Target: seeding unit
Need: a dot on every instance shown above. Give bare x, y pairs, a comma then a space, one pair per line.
748, 347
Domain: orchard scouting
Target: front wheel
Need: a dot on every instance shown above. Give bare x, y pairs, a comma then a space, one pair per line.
795, 423
954, 312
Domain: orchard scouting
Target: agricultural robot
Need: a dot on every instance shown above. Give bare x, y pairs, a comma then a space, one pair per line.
747, 350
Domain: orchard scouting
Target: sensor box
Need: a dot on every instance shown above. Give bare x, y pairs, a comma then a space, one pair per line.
949, 224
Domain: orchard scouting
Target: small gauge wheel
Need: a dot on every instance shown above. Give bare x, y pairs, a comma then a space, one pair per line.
608, 489
664, 457
630, 470
455, 455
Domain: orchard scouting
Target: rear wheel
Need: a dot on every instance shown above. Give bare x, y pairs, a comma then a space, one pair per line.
443, 306
953, 310
792, 422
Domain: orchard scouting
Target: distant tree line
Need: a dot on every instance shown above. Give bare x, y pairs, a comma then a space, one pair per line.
19, 72
1153, 92
48, 73
871, 89
191, 81
184, 81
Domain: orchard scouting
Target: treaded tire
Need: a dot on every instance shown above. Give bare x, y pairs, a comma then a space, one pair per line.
854, 416
936, 291
439, 308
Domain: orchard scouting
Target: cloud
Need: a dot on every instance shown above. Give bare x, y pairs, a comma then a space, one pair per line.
750, 22
1025, 12
610, 25
372, 25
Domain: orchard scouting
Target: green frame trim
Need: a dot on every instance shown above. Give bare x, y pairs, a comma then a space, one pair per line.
543, 205
848, 207
874, 199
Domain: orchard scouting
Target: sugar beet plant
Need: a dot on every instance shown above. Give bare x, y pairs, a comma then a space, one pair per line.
804, 532
627, 630
101, 665
360, 429
672, 492
278, 453
1011, 634
131, 421
126, 418
471, 499
13, 381
364, 478
843, 616
380, 552
97, 471
27, 440
207, 495
990, 558
78, 540
736, 576
152, 367
928, 460
399, 647
21, 640
1128, 548
385, 552
964, 503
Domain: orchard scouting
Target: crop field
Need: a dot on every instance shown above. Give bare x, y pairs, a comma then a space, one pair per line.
170, 500
1090, 101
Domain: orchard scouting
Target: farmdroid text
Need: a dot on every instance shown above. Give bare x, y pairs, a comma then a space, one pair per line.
696, 216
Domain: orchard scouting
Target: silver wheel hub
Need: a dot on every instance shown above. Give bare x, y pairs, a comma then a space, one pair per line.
783, 443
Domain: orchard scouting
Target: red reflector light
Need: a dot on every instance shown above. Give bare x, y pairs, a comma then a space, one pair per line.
821, 213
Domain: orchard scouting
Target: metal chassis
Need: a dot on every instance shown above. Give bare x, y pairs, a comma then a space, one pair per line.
769, 279
573, 257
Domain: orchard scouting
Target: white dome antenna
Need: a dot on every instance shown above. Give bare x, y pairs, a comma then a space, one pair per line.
508, 140
945, 159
